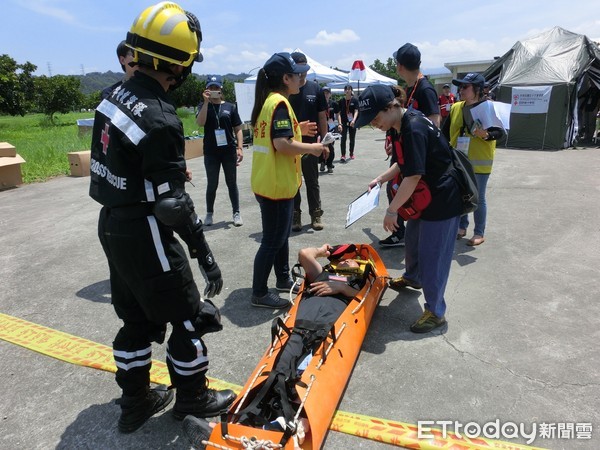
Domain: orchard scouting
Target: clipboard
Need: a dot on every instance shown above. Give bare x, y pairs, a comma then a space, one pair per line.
362, 205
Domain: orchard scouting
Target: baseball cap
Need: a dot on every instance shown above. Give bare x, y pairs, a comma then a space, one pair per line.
282, 63
326, 89
299, 58
471, 78
214, 80
409, 56
446, 85
372, 100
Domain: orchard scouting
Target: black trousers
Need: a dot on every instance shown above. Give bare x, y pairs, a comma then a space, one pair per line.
348, 130
151, 285
310, 171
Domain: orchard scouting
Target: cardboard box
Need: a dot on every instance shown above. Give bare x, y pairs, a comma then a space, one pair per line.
80, 163
7, 149
194, 147
10, 171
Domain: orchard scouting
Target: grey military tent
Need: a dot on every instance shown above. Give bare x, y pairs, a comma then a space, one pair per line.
553, 84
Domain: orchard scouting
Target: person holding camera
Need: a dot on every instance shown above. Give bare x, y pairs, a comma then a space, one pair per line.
223, 146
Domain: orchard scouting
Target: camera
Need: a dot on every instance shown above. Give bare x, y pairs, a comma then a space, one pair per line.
215, 94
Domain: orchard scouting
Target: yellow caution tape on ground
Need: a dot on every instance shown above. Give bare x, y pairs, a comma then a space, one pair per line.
83, 352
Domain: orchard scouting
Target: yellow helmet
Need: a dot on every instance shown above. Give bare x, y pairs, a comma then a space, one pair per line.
166, 33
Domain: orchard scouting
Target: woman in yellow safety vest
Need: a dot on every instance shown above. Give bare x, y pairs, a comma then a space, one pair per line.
479, 143
276, 174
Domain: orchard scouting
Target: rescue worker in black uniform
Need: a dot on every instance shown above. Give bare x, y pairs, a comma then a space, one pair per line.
138, 173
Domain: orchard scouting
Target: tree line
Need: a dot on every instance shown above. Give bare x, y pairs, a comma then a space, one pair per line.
21, 92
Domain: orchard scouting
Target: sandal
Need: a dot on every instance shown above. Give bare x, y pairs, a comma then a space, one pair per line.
476, 240
461, 234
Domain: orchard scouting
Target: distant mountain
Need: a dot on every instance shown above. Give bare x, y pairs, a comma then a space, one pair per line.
96, 81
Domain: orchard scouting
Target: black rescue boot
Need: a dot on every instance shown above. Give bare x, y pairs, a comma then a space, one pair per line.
136, 410
196, 430
204, 403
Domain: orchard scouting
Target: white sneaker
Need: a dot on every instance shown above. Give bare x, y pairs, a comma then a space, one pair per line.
208, 220
237, 219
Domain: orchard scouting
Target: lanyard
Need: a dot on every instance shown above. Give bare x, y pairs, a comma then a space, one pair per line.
217, 114
412, 92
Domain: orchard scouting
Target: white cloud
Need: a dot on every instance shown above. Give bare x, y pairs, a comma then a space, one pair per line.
213, 51
47, 9
325, 38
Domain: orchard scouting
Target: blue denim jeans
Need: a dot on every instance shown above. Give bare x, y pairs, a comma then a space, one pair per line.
428, 255
273, 252
212, 163
480, 213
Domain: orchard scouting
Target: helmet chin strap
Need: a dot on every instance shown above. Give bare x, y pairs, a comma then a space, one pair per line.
179, 79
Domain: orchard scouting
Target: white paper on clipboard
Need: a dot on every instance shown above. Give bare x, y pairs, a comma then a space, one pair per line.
362, 205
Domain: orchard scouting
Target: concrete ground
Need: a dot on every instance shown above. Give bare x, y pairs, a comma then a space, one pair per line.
521, 343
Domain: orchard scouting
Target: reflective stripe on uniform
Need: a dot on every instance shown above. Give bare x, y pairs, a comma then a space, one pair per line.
132, 355
197, 365
149, 188
123, 122
160, 250
482, 162
260, 148
134, 364
129, 360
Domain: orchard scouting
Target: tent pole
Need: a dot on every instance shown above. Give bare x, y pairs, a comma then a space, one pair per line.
545, 128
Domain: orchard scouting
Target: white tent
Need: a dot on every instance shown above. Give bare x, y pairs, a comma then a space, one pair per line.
372, 78
318, 72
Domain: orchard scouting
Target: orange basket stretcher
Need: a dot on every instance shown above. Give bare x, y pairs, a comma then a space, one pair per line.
322, 383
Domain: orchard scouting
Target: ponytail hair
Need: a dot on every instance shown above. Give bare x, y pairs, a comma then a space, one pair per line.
264, 86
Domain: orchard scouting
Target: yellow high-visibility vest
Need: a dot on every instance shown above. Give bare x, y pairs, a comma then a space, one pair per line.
274, 175
481, 152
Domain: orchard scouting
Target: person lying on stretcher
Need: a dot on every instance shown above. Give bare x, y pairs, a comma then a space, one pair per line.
327, 292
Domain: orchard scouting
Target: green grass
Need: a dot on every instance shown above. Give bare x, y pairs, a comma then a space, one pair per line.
44, 145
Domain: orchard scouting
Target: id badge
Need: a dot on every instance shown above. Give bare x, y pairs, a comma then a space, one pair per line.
462, 144
220, 137
350, 117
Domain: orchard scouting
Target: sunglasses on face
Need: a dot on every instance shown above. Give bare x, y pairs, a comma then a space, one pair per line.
464, 86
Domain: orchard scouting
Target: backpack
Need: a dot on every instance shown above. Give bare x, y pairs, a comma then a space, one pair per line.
461, 170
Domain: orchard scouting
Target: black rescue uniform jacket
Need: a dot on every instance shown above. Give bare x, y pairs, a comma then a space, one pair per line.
137, 145
137, 161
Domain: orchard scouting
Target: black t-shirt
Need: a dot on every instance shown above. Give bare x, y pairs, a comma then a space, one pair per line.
224, 116
307, 105
282, 126
331, 113
346, 107
427, 153
423, 97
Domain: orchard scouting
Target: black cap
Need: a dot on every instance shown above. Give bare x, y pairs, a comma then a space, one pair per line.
123, 49
299, 58
372, 100
409, 56
473, 78
214, 80
282, 63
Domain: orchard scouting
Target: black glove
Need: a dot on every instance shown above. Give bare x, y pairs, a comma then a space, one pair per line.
212, 277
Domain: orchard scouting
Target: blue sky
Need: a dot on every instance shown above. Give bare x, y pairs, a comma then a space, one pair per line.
80, 36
